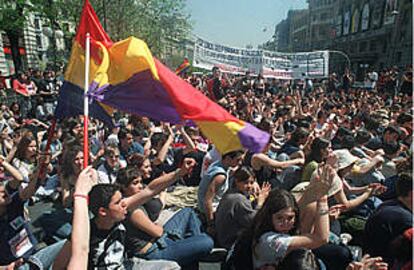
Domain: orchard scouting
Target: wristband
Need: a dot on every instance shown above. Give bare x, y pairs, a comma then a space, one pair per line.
323, 212
86, 197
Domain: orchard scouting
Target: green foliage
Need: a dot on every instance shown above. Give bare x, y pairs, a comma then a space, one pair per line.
154, 21
12, 14
157, 22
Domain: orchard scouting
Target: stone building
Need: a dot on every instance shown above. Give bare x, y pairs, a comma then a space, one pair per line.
321, 19
298, 30
374, 33
281, 37
365, 33
35, 45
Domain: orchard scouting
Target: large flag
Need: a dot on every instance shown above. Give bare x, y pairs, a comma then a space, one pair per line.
70, 101
183, 67
128, 78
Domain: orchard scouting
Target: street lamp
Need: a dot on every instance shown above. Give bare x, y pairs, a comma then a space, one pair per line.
344, 55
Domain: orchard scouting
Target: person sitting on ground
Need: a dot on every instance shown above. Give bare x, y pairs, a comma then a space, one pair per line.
108, 234
179, 240
274, 232
293, 145
215, 184
17, 240
108, 170
392, 151
238, 206
390, 219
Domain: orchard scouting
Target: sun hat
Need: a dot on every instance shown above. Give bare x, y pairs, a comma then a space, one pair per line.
345, 158
314, 187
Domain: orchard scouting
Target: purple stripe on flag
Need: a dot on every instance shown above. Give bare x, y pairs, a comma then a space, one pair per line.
253, 138
142, 95
70, 104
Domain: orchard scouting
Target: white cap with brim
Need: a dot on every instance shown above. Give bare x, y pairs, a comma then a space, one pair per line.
345, 158
318, 186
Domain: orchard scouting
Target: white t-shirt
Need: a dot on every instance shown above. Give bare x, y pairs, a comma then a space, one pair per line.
271, 249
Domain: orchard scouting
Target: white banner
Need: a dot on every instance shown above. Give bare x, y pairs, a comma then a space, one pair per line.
271, 64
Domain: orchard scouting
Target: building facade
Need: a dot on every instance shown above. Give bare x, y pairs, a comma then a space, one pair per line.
364, 33
374, 33
298, 30
281, 37
321, 18
35, 45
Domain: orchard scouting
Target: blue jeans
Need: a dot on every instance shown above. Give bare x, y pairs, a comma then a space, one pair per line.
182, 241
57, 224
44, 258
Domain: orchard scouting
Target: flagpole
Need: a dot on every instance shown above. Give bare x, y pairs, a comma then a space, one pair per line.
86, 103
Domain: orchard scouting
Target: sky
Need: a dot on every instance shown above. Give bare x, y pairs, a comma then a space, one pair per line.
238, 23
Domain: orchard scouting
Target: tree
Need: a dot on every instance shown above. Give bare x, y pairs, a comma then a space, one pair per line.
12, 19
153, 21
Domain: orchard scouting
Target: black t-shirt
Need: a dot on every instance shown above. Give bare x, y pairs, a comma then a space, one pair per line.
106, 247
135, 238
390, 220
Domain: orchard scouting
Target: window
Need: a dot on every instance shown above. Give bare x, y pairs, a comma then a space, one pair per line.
37, 23
384, 46
362, 46
373, 45
39, 41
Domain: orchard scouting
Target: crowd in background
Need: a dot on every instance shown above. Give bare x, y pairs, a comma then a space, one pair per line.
331, 190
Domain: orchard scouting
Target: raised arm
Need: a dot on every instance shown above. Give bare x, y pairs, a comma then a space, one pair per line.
80, 224
159, 184
320, 234
260, 160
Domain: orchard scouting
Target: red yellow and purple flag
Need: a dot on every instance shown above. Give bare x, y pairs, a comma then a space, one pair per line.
125, 76
183, 67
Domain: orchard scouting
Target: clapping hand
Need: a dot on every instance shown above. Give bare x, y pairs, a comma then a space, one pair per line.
368, 263
263, 193
336, 210
377, 188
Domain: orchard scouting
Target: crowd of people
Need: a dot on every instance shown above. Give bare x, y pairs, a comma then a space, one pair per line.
331, 190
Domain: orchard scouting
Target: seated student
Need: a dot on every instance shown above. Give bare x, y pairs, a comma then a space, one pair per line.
390, 134
215, 183
180, 239
235, 211
108, 170
390, 220
292, 146
16, 239
389, 167
274, 232
108, 234
263, 166
319, 151
127, 146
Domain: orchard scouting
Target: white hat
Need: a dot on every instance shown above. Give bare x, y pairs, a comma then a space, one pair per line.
345, 158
